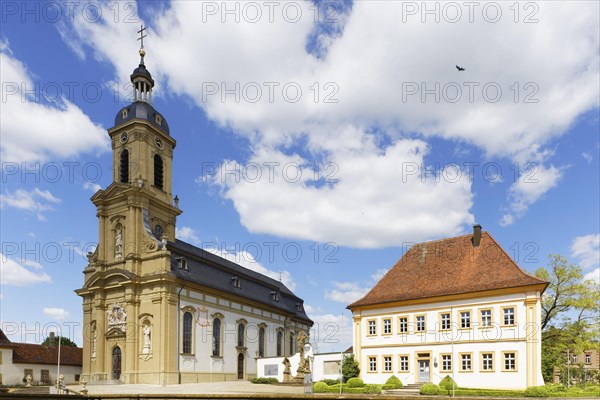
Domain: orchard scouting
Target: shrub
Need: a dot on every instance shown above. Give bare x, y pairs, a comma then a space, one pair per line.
448, 383
430, 389
537, 391
372, 389
320, 387
265, 381
330, 382
393, 381
355, 382
350, 367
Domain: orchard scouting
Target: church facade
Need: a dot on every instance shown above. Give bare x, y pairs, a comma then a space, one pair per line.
159, 310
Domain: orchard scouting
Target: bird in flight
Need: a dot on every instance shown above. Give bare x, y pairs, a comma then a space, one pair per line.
459, 68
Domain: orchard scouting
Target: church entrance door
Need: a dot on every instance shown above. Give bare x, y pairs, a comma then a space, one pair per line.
240, 366
116, 363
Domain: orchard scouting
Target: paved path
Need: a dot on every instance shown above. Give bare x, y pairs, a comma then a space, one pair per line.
233, 387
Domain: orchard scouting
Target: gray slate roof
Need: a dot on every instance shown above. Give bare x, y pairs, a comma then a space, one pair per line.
210, 270
142, 110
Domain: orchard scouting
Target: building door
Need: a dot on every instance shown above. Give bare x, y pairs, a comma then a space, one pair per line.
116, 363
240, 366
423, 370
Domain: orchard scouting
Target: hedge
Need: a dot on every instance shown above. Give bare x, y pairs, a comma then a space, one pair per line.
355, 383
265, 381
431, 389
320, 387
393, 382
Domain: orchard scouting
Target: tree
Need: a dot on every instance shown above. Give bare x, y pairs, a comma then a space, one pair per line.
64, 341
570, 316
350, 368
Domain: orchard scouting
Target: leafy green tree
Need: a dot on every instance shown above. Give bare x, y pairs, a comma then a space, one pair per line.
570, 317
64, 341
350, 368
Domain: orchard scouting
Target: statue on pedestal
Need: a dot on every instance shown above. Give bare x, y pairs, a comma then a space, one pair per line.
286, 370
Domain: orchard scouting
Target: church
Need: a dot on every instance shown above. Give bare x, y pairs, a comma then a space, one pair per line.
156, 309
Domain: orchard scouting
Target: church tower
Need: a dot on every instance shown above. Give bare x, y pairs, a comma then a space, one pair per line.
159, 310
126, 292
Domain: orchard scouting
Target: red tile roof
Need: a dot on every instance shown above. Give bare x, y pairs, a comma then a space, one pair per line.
26, 353
446, 267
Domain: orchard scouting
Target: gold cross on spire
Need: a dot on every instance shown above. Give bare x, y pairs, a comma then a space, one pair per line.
141, 39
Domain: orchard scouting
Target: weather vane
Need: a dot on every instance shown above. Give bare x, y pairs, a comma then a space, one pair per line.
141, 39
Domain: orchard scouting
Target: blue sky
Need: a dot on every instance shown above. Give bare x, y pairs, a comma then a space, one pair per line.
366, 91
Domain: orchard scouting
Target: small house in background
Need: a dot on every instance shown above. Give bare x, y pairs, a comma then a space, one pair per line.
459, 306
18, 360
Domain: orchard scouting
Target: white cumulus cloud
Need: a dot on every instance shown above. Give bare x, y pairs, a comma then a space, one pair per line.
586, 249
21, 274
33, 131
36, 201
363, 101
59, 314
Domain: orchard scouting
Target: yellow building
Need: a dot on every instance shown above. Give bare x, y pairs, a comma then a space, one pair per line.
159, 310
458, 306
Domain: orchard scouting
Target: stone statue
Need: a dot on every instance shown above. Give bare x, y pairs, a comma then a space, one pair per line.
147, 332
303, 365
286, 369
119, 243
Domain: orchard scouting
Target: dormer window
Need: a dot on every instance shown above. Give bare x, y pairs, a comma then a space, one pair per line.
275, 295
182, 263
124, 113
299, 307
158, 119
236, 282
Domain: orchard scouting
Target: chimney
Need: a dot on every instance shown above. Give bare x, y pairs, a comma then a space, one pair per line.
476, 239
51, 339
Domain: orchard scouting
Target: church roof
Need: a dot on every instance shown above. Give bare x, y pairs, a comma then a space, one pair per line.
145, 111
448, 267
208, 269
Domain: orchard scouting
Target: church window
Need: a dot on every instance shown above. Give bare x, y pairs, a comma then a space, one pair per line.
124, 169
187, 333
158, 171
241, 337
216, 350
292, 342
182, 263
279, 343
261, 341
158, 231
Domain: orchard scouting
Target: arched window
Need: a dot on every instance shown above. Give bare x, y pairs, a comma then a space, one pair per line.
292, 352
241, 336
279, 343
187, 332
216, 337
124, 169
261, 342
158, 171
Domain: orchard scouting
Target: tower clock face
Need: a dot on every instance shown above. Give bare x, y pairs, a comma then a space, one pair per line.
124, 137
158, 143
